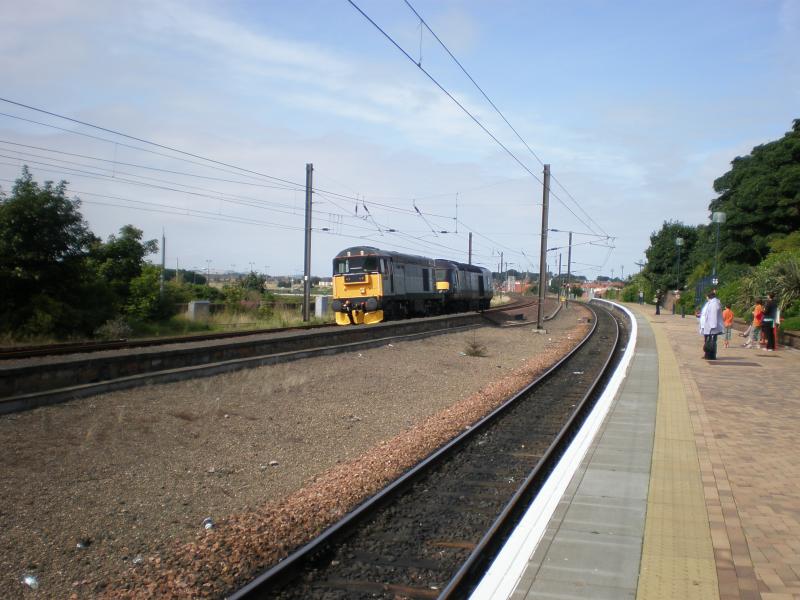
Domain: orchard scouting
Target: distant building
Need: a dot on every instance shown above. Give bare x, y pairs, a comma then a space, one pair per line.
599, 289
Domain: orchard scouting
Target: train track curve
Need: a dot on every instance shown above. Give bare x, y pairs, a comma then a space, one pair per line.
431, 533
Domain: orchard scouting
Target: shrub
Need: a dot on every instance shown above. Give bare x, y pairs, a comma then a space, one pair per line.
791, 324
475, 348
114, 329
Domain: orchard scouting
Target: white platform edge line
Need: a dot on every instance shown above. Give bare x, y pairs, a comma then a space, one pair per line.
503, 575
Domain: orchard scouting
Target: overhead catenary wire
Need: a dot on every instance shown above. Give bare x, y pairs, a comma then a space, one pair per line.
116, 177
444, 90
145, 141
179, 210
295, 186
151, 168
208, 163
499, 112
214, 163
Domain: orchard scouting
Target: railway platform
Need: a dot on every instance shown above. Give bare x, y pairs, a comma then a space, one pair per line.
689, 490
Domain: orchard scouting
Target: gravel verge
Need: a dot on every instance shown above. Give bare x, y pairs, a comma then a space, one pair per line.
272, 455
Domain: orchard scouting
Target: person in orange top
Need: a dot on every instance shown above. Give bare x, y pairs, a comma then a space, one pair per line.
758, 316
727, 321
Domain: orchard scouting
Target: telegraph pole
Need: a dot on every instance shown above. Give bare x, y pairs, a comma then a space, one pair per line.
543, 252
560, 283
569, 267
470, 248
501, 270
163, 263
307, 267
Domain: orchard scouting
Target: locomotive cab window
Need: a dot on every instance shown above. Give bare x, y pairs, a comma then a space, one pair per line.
356, 264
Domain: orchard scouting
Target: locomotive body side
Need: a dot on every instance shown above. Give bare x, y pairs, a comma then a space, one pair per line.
370, 285
471, 289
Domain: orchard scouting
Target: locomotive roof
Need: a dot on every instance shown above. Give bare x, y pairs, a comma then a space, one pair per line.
444, 262
439, 262
371, 250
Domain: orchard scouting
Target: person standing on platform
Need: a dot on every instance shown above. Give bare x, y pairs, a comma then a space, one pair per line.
727, 321
768, 322
758, 315
711, 325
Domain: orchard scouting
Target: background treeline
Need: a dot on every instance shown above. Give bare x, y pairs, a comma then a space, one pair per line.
758, 245
59, 280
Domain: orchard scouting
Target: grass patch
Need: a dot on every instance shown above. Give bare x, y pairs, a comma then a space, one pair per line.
475, 348
184, 415
224, 321
499, 300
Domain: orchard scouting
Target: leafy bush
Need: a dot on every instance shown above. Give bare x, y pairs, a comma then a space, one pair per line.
778, 273
791, 324
114, 329
630, 293
146, 301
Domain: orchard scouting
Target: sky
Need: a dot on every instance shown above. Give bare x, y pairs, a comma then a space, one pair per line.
210, 112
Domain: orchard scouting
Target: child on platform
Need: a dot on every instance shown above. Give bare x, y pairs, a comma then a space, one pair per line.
758, 315
727, 321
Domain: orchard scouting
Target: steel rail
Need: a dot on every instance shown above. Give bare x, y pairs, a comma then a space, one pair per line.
287, 567
463, 580
17, 352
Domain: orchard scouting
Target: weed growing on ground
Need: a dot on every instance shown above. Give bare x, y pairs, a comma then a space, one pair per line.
475, 348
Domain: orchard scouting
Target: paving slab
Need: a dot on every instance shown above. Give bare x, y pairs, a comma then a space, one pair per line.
690, 489
745, 415
592, 545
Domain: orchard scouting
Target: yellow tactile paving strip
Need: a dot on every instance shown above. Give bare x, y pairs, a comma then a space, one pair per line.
677, 555
745, 416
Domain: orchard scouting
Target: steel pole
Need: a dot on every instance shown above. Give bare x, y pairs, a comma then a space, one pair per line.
569, 267
560, 283
307, 266
163, 264
543, 252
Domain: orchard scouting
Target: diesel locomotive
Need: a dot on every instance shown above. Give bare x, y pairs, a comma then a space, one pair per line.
372, 285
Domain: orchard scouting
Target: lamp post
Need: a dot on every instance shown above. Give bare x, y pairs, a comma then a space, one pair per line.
716, 217
678, 243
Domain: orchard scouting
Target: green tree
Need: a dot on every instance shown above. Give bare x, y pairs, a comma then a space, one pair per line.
779, 273
662, 255
145, 301
253, 281
120, 260
234, 296
761, 198
44, 243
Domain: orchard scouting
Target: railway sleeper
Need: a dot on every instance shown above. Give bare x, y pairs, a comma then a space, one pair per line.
376, 587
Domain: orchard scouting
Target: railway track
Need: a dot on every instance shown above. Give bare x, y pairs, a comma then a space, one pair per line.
18, 352
432, 532
26, 384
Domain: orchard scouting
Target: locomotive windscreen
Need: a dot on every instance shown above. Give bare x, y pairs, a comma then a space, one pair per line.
355, 264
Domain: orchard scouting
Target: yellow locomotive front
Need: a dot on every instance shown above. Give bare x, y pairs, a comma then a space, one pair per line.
357, 287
